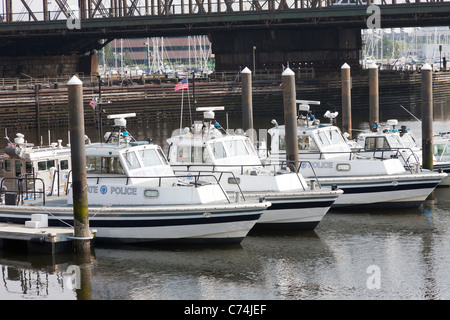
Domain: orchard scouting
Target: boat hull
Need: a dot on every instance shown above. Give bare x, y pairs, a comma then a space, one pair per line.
296, 211
394, 191
199, 224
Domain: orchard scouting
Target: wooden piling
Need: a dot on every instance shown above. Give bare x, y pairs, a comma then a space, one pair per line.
427, 116
247, 103
38, 113
290, 118
346, 99
373, 95
82, 234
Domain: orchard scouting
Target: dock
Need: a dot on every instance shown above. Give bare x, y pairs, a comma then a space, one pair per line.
49, 240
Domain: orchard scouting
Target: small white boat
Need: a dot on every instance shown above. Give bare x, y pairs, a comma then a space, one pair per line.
49, 164
365, 180
388, 141
206, 147
134, 196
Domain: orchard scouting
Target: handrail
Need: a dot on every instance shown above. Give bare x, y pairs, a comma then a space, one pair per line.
360, 152
241, 166
220, 177
20, 190
283, 163
397, 154
160, 178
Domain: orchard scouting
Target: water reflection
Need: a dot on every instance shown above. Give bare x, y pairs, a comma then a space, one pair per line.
411, 249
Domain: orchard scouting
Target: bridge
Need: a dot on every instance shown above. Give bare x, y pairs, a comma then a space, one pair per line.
318, 33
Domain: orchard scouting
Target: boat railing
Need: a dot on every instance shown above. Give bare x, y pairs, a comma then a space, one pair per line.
24, 190
283, 164
196, 183
389, 153
221, 174
217, 168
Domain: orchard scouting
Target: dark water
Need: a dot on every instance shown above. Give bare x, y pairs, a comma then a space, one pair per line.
365, 255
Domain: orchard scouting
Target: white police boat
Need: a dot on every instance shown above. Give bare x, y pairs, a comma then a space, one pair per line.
134, 196
365, 180
391, 141
206, 148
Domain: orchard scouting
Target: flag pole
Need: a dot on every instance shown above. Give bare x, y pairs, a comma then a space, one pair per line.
181, 117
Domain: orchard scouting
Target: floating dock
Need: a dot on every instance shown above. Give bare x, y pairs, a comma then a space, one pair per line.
36, 239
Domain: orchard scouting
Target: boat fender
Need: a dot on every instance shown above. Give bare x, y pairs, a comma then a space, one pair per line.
13, 151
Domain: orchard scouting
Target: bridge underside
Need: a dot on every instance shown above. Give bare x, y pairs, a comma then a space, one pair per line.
319, 48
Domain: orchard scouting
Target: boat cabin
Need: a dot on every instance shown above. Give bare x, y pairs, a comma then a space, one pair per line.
41, 168
319, 141
226, 150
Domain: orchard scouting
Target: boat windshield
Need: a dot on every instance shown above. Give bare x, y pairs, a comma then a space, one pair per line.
100, 165
409, 141
192, 154
372, 143
152, 157
304, 143
336, 137
441, 149
236, 148
218, 150
395, 141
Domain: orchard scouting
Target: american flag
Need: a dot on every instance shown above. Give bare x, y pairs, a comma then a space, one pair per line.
93, 103
183, 84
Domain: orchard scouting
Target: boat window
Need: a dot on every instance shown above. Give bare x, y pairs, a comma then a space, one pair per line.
64, 164
151, 193
336, 137
46, 165
110, 165
162, 156
149, 157
218, 150
323, 138
395, 142
18, 168
409, 141
234, 180
189, 154
28, 167
343, 167
376, 143
441, 149
131, 160
236, 148
306, 143
249, 146
8, 165
282, 143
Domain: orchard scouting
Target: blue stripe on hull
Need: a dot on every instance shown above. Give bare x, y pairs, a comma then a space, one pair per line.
400, 187
377, 205
299, 205
187, 241
124, 223
310, 225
